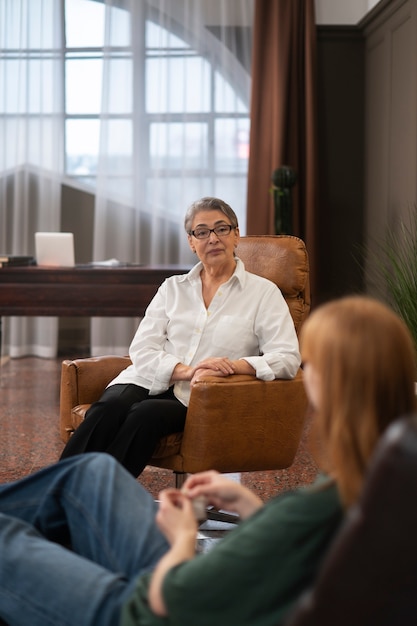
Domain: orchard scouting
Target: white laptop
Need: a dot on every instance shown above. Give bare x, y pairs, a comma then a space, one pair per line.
54, 249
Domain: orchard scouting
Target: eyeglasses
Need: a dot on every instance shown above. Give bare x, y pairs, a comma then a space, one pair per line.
204, 233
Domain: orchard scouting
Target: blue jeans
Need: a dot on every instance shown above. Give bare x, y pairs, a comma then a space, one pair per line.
92, 504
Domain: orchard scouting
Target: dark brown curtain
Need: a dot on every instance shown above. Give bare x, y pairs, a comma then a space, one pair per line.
283, 116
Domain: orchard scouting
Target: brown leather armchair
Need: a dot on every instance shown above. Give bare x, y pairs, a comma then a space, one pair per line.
234, 424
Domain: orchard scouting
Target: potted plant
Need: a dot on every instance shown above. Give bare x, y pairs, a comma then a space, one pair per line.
392, 265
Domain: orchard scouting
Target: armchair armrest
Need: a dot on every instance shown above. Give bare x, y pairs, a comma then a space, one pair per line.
260, 434
82, 383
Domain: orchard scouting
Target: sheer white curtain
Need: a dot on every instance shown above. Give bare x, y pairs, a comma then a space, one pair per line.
143, 103
31, 149
174, 127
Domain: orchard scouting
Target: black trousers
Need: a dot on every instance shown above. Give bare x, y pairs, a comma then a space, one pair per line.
127, 423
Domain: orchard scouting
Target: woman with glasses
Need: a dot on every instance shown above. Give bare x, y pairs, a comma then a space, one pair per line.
218, 319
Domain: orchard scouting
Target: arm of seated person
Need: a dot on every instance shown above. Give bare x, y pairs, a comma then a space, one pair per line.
176, 520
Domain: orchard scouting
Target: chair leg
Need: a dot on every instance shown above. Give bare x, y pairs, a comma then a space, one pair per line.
180, 478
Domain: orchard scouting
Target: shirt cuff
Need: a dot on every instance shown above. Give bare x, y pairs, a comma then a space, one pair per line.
261, 367
163, 375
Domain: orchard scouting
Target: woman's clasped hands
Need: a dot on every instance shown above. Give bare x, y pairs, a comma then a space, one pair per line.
220, 366
213, 366
176, 514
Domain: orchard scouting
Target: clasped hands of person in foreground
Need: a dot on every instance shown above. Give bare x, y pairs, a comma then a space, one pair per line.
176, 511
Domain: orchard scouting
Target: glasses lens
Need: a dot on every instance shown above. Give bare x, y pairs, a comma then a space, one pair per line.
222, 231
202, 233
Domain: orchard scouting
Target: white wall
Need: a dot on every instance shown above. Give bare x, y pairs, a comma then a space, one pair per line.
342, 11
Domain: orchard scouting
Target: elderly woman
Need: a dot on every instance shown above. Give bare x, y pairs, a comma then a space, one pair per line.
218, 319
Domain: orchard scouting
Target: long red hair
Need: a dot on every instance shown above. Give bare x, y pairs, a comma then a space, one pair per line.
365, 359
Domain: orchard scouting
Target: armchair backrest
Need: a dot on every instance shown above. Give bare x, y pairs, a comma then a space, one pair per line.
283, 259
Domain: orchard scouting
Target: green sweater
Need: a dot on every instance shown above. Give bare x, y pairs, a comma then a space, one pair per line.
256, 573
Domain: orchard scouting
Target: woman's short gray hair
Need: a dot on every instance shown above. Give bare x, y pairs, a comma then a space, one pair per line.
209, 204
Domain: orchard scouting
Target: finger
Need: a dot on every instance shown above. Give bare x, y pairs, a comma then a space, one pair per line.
199, 479
167, 493
227, 366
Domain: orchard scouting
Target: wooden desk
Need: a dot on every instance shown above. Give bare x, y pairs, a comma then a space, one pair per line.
81, 291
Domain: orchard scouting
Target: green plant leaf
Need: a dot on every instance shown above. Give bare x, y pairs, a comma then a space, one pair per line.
393, 263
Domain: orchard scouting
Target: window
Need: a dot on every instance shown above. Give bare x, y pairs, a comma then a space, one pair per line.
169, 108
144, 101
87, 58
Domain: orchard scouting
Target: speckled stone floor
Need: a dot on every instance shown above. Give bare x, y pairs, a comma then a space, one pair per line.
29, 410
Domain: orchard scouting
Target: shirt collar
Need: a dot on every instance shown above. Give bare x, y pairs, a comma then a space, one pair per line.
238, 275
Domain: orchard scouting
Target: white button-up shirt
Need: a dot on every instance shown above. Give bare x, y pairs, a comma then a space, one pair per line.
248, 318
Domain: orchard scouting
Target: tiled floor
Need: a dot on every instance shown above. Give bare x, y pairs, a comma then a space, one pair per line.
29, 410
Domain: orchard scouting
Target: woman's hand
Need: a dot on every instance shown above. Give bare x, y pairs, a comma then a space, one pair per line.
176, 520
202, 373
220, 365
212, 366
223, 493
175, 516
